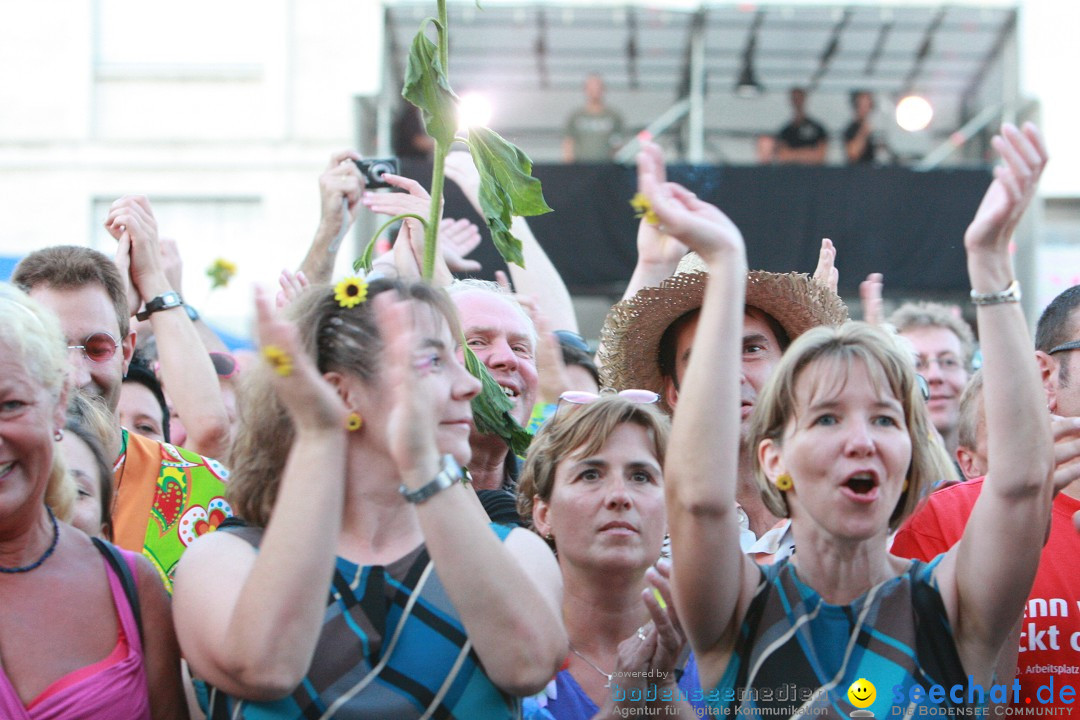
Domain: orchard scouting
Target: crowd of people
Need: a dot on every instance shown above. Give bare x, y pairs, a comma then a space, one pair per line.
743, 503
595, 131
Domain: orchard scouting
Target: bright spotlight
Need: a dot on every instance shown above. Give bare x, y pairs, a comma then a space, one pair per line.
474, 109
913, 113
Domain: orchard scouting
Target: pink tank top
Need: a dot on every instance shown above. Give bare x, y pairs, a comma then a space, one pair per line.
111, 688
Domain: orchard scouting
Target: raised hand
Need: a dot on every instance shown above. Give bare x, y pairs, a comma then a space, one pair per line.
700, 226
339, 183
870, 295
1023, 156
411, 425
458, 238
826, 272
656, 249
670, 638
131, 221
310, 400
292, 284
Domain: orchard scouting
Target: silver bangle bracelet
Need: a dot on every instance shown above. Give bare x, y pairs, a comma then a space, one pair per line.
1010, 294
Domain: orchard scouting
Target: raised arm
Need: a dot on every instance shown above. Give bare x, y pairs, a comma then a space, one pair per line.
186, 369
340, 186
702, 459
986, 577
658, 253
508, 594
249, 620
539, 277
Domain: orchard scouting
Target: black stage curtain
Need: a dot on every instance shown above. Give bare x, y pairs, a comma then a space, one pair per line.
906, 224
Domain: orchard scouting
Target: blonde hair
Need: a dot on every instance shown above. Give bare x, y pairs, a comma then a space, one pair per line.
889, 366
338, 339
33, 336
971, 412
582, 430
930, 315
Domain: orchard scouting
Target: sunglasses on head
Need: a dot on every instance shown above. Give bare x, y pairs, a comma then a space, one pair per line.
225, 365
572, 339
98, 347
634, 395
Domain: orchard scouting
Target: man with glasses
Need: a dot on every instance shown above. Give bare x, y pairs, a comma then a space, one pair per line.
1048, 635
944, 346
165, 496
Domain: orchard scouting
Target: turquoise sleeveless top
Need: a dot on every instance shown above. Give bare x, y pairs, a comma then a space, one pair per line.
799, 655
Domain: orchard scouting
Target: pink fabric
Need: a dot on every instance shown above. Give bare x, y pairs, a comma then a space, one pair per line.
111, 688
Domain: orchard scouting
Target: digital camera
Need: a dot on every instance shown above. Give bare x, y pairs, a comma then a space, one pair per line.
373, 170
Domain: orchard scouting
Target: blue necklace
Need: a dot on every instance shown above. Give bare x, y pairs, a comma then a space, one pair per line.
37, 563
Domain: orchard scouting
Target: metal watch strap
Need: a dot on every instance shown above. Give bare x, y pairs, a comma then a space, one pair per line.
447, 476
165, 301
1010, 294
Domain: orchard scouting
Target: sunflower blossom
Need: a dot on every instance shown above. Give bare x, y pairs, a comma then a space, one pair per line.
643, 209
350, 292
278, 359
220, 272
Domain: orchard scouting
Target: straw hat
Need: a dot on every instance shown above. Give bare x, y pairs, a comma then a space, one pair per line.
630, 338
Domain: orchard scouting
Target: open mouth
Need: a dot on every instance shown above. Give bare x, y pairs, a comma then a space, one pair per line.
510, 392
862, 486
6, 468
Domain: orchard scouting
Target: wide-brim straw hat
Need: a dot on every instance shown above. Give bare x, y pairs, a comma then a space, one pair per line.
630, 338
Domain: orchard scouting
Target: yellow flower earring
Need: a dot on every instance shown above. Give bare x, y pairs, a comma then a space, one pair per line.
784, 482
354, 422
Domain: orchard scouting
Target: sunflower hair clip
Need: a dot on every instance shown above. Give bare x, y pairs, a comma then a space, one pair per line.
278, 359
350, 292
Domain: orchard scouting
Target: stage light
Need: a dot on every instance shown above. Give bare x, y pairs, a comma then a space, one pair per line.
913, 113
474, 109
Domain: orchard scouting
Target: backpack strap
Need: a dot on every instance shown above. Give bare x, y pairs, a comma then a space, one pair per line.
127, 581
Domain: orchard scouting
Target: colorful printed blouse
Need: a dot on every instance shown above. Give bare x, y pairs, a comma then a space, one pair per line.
166, 497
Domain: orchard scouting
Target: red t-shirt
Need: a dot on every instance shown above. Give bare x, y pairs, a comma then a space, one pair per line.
1050, 637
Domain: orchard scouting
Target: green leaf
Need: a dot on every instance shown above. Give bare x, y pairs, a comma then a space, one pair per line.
491, 408
507, 188
427, 87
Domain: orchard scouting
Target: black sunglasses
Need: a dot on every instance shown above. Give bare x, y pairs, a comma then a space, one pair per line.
1074, 345
98, 347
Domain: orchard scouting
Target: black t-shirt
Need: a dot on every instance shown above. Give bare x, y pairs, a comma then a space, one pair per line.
868, 150
806, 134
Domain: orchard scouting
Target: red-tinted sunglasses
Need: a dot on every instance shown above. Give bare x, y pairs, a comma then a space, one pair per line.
225, 365
98, 347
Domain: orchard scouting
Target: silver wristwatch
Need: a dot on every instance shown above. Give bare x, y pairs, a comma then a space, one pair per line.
449, 474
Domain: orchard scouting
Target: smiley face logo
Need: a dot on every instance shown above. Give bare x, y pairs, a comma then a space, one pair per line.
862, 692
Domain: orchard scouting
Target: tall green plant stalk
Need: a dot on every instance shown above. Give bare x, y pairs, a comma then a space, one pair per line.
507, 189
438, 170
